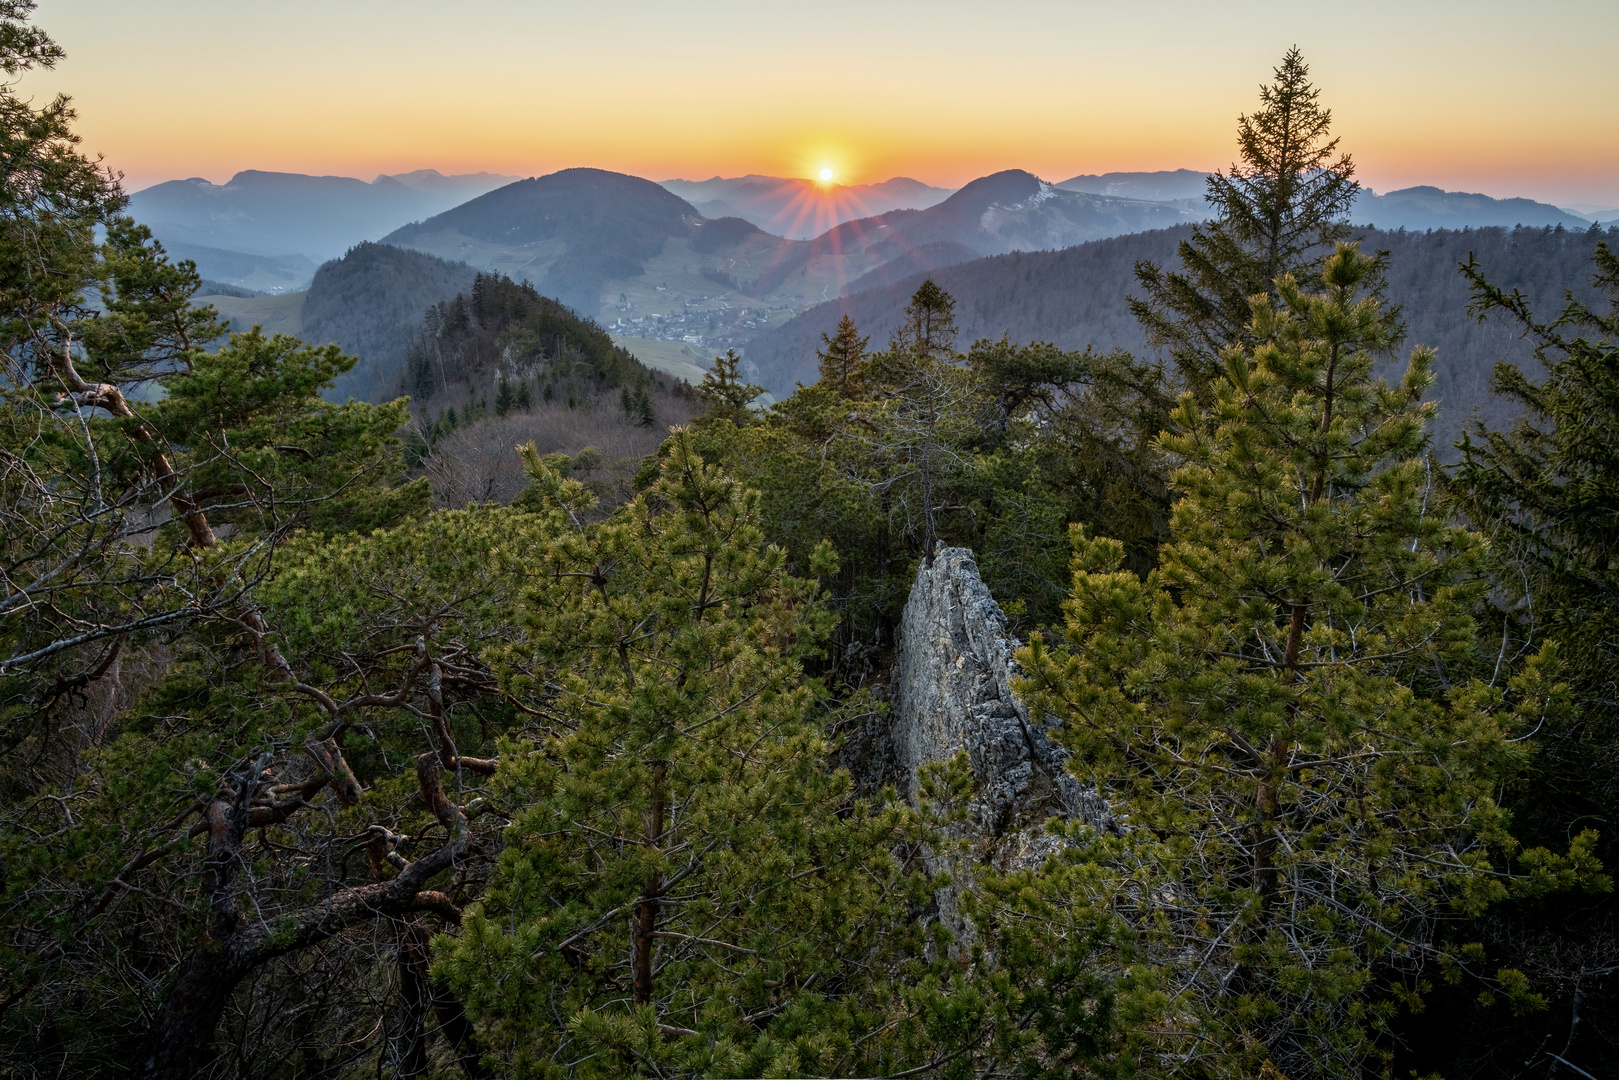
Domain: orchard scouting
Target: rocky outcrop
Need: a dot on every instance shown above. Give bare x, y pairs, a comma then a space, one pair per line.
951, 691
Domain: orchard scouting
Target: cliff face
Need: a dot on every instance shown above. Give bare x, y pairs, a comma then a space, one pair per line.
951, 691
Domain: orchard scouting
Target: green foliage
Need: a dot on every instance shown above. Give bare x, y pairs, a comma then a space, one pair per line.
263, 445
728, 394
1277, 213
1546, 491
1001, 447
116, 896
1273, 703
686, 888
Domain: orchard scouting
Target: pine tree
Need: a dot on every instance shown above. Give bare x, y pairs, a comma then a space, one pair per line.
1280, 702
505, 397
842, 356
1280, 211
685, 889
727, 394
525, 397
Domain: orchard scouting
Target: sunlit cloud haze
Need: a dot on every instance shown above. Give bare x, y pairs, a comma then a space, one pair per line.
1504, 98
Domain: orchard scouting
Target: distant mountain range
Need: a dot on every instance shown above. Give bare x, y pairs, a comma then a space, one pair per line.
676, 284
608, 243
1179, 185
1409, 208
803, 209
575, 230
1007, 211
1432, 208
289, 214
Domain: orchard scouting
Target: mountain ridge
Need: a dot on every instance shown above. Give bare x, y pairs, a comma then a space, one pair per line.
267, 213
799, 209
1078, 297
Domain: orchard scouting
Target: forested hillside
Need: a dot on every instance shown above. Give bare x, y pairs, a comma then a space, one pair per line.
499, 329
1079, 297
499, 366
371, 303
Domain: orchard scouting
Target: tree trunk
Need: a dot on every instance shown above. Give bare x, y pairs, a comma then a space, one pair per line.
457, 1031
646, 910
406, 1049
181, 1037
1268, 801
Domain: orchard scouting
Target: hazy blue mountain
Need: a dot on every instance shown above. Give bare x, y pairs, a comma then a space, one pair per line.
568, 232
451, 190
260, 273
803, 209
1172, 185
1078, 297
1007, 211
1431, 208
1601, 213
319, 217
1408, 208
650, 266
638, 259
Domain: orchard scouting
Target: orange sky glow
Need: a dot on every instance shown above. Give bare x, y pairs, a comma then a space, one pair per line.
1504, 98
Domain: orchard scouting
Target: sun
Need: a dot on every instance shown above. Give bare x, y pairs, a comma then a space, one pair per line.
826, 174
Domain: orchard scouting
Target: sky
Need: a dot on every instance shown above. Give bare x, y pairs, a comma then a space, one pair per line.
1483, 95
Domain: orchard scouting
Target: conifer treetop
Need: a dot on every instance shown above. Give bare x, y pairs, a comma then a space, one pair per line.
1279, 210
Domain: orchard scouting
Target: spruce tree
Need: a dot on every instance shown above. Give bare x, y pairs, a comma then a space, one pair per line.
842, 356
1279, 211
1280, 709
1547, 489
727, 393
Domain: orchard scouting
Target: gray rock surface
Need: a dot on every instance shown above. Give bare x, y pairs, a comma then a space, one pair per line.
951, 691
